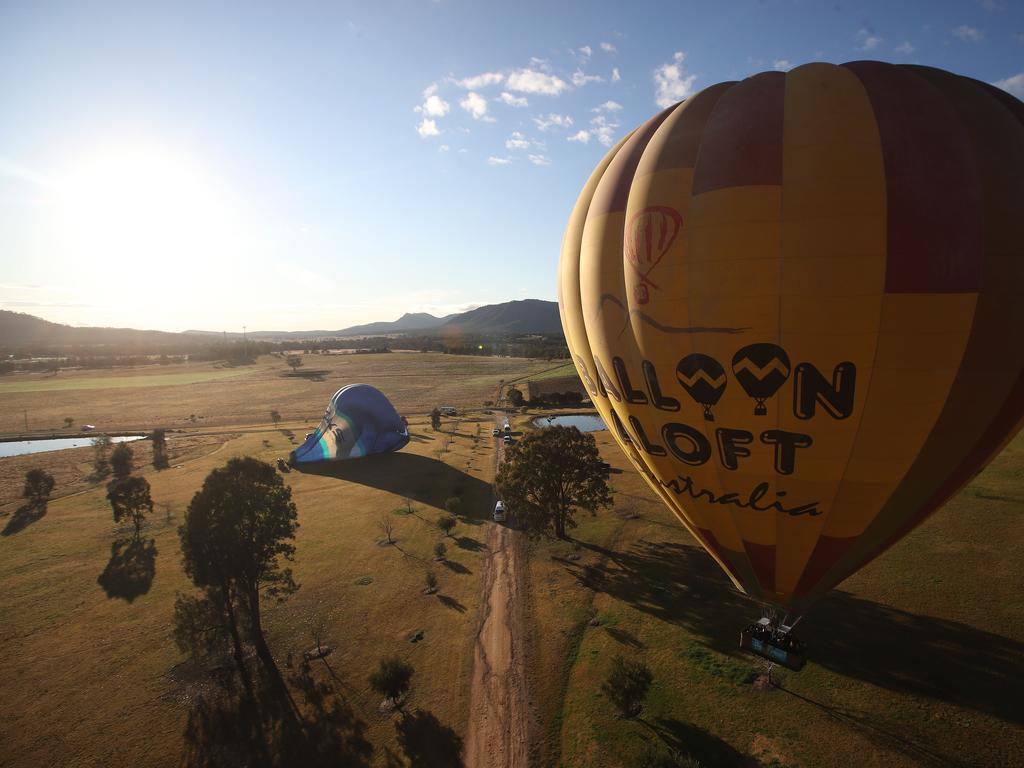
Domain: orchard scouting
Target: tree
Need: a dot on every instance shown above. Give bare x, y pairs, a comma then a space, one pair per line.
440, 550
435, 419
68, 421
387, 526
515, 397
391, 679
237, 531
129, 498
295, 361
549, 474
275, 417
38, 487
447, 524
453, 503
159, 438
101, 461
121, 460
626, 685
431, 579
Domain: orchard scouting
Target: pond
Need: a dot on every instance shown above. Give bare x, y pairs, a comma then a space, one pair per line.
21, 447
582, 422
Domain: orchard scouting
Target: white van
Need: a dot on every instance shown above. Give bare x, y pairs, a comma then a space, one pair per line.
499, 512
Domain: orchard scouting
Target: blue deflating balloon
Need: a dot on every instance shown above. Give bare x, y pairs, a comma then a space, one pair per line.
359, 421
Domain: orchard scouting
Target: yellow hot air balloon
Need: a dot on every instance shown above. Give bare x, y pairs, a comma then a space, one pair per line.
798, 302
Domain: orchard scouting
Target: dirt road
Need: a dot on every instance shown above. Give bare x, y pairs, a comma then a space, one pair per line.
498, 730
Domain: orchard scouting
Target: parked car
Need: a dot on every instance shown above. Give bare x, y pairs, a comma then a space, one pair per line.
499, 512
508, 439
88, 427
495, 432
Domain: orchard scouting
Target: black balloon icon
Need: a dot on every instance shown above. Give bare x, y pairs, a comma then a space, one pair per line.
761, 369
704, 380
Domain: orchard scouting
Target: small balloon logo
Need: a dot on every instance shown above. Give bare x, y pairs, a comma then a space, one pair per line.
761, 369
704, 380
649, 235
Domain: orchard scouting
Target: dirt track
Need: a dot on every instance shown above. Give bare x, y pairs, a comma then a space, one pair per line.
498, 730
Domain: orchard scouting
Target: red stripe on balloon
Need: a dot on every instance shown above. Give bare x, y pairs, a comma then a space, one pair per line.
934, 205
762, 560
742, 143
613, 191
826, 553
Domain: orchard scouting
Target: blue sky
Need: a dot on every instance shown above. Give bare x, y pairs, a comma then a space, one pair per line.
315, 165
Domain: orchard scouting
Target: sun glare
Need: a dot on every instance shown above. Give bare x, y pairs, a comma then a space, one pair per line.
142, 216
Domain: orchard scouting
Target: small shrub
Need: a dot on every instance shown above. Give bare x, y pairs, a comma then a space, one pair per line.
431, 579
626, 685
440, 550
447, 524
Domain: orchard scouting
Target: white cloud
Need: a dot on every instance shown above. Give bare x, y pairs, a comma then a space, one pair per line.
604, 129
608, 106
583, 137
552, 120
969, 34
1014, 85
492, 160
480, 81
673, 84
433, 105
868, 40
586, 50
532, 81
781, 65
427, 128
542, 64
517, 140
475, 104
513, 101
443, 148
608, 48
539, 160
615, 75
579, 78
904, 48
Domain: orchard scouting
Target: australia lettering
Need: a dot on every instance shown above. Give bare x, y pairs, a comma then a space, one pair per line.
755, 500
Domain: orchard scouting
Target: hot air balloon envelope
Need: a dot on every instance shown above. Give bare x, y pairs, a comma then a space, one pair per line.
359, 421
799, 302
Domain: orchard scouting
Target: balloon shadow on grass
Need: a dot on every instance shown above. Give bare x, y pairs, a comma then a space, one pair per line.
131, 568
687, 739
422, 479
909, 654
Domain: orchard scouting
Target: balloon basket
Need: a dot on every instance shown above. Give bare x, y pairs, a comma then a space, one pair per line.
775, 642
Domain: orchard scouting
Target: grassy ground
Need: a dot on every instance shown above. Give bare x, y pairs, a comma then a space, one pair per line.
917, 660
103, 673
153, 378
415, 382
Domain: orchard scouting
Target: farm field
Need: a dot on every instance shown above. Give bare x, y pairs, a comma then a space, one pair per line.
915, 661
203, 395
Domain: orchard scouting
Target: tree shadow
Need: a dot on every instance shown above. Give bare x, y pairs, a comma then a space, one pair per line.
224, 728
688, 739
422, 479
914, 655
451, 602
455, 567
427, 742
624, 637
23, 517
473, 545
131, 568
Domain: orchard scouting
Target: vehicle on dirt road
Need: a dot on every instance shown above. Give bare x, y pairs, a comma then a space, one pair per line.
499, 512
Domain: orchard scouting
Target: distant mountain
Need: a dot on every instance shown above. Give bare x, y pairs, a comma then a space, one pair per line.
21, 330
525, 316
410, 321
